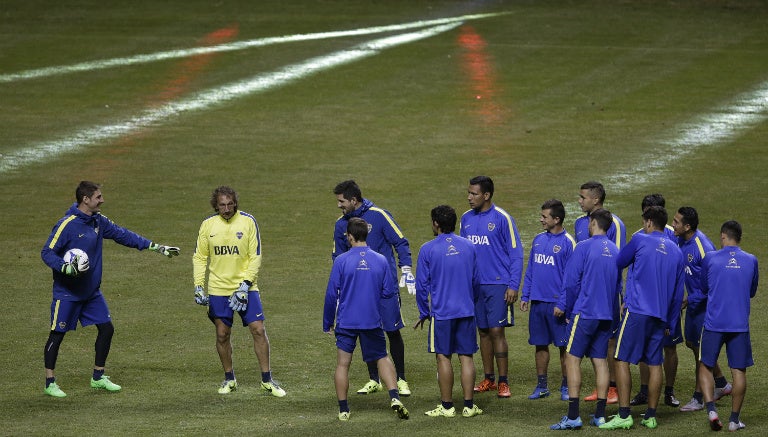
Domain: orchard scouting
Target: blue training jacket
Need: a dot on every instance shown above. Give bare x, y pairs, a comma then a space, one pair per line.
77, 230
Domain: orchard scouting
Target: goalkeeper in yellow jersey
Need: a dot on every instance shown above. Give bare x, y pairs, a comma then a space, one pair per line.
228, 253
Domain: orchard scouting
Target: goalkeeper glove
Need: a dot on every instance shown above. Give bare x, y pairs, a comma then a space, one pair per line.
69, 269
78, 265
200, 297
169, 251
407, 279
239, 299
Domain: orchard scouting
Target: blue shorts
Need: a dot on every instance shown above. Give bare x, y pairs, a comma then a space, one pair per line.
694, 323
65, 313
218, 308
738, 348
543, 327
675, 335
452, 336
617, 316
588, 337
373, 343
641, 338
491, 310
390, 313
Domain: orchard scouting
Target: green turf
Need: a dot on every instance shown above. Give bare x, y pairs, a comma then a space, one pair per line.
570, 91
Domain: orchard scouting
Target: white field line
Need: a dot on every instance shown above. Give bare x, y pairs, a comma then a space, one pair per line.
39, 153
228, 47
721, 126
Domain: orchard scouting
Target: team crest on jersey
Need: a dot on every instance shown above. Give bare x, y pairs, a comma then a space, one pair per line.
239, 235
96, 229
491, 226
690, 257
370, 228
62, 325
556, 249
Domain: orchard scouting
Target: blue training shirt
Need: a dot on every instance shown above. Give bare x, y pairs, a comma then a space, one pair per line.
546, 266
498, 246
658, 278
592, 280
616, 233
78, 230
359, 279
729, 278
445, 277
694, 251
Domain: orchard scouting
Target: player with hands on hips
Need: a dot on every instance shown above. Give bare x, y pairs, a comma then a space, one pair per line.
77, 295
228, 253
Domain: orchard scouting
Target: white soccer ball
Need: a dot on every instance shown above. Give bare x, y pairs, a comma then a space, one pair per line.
72, 255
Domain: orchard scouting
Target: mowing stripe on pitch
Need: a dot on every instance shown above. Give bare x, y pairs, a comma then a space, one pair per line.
49, 150
746, 111
241, 45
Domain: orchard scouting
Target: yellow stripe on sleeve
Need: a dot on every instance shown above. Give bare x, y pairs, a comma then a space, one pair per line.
60, 230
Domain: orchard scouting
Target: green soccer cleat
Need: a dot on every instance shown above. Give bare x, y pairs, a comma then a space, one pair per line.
403, 388
649, 423
441, 411
105, 383
228, 386
273, 388
399, 408
54, 390
471, 412
344, 416
618, 423
370, 387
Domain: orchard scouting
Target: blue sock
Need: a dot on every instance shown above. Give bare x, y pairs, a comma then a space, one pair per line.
721, 382
669, 390
612, 384
542, 381
564, 382
469, 403
266, 376
573, 408
651, 412
699, 396
600, 408
49, 381
644, 389
394, 394
503, 379
710, 406
447, 405
229, 376
734, 417
343, 406
97, 374
624, 412
490, 376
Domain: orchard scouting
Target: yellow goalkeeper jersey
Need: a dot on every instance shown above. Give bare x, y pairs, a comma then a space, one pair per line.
229, 251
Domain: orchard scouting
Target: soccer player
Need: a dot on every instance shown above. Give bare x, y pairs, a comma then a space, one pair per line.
500, 267
386, 238
77, 293
670, 341
695, 245
591, 198
542, 287
445, 295
591, 280
729, 279
359, 280
228, 253
653, 300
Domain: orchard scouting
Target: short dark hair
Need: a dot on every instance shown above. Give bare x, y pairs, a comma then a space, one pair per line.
445, 217
690, 216
357, 228
223, 191
732, 229
85, 188
655, 199
603, 217
657, 215
349, 189
596, 188
556, 209
485, 183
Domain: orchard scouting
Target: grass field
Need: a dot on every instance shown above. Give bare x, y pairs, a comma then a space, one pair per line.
652, 96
